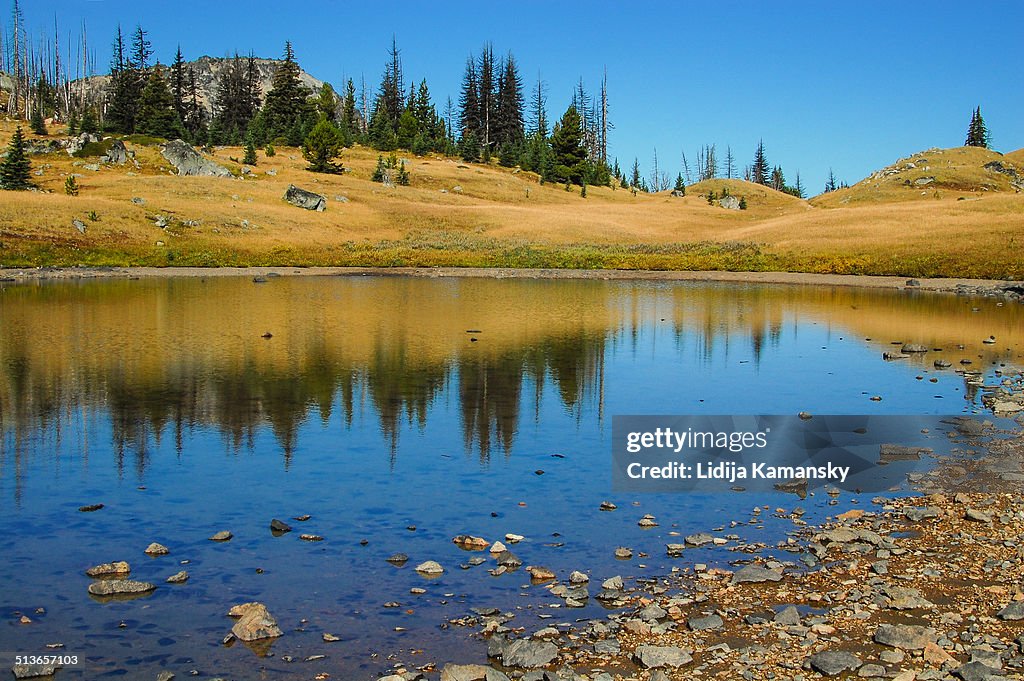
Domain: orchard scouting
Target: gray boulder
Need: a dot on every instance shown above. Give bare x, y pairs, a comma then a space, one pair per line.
118, 153
833, 662
188, 161
662, 656
78, 143
119, 587
528, 654
754, 574
730, 202
304, 199
905, 636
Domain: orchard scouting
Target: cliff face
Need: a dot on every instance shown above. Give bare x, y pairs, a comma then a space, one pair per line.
208, 71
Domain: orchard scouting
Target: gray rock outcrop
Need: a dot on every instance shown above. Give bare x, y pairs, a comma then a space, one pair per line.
305, 199
188, 161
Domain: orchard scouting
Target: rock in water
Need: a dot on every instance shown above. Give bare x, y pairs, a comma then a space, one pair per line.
188, 161
119, 587
178, 578
223, 535
429, 567
34, 671
119, 567
155, 549
662, 656
833, 662
304, 199
279, 526
254, 623
464, 672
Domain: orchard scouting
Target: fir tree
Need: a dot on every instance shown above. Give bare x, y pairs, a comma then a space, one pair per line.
680, 185
327, 103
38, 123
285, 105
392, 88
977, 133
249, 158
408, 127
570, 157
830, 184
469, 148
382, 134
16, 170
71, 185
236, 102
350, 124
89, 121
380, 172
157, 116
760, 172
179, 86
403, 176
469, 100
778, 181
509, 116
125, 87
322, 146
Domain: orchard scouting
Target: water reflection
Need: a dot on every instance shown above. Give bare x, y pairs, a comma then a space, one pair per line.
159, 359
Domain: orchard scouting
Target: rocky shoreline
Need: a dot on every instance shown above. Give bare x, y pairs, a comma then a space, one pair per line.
1006, 290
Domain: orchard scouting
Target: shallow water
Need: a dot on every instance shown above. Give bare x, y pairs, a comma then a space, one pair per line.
398, 412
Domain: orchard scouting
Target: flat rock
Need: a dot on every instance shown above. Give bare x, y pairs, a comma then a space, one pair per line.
529, 654
788, 617
429, 567
541, 574
464, 672
119, 587
397, 558
977, 516
34, 671
914, 347
978, 671
223, 535
609, 646
707, 623
754, 574
612, 583
905, 636
188, 161
653, 657
508, 559
465, 541
305, 199
119, 567
833, 662
1014, 611
279, 526
699, 539
255, 622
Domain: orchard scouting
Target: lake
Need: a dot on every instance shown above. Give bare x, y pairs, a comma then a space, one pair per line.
399, 412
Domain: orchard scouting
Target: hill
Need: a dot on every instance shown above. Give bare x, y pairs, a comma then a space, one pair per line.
454, 213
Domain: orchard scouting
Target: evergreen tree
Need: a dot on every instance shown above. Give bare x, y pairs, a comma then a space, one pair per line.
799, 187
487, 100
285, 106
408, 128
778, 182
16, 170
380, 172
179, 85
89, 124
236, 102
469, 100
509, 124
350, 124
125, 86
635, 179
830, 184
760, 172
157, 116
322, 146
570, 157
392, 88
327, 103
38, 123
977, 133
195, 114
382, 135
469, 148
680, 185
403, 176
249, 158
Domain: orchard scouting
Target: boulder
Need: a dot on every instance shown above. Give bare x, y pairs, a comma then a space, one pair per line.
254, 622
78, 143
730, 202
653, 657
304, 199
188, 161
119, 587
118, 567
905, 636
833, 662
117, 153
529, 654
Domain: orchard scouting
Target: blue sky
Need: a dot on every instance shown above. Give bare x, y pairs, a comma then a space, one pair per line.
850, 86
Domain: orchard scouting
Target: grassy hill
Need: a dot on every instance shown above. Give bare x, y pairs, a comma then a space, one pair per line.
461, 214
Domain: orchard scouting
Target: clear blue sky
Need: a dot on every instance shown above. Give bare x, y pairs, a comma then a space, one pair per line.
852, 86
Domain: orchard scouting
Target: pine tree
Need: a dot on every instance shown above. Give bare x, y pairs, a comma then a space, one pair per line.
570, 157
89, 124
235, 103
350, 126
469, 100
799, 187
16, 169
760, 172
179, 86
830, 184
977, 133
408, 128
509, 115
125, 88
403, 176
38, 123
157, 116
249, 158
469, 147
381, 133
322, 146
680, 185
327, 103
392, 88
634, 178
778, 181
487, 100
285, 106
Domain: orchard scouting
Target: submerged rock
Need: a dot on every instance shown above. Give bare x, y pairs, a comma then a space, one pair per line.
34, 671
223, 535
178, 578
119, 587
119, 567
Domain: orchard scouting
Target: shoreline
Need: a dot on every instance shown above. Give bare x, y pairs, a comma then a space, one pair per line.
721, 276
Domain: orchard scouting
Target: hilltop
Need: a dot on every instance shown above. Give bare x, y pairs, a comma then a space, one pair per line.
470, 214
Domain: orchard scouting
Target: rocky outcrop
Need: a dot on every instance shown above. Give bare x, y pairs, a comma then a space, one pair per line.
188, 161
305, 199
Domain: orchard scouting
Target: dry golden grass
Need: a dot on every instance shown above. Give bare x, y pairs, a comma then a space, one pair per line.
503, 217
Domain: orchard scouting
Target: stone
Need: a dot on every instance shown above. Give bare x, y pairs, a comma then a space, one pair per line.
977, 516
653, 657
905, 636
305, 199
117, 153
678, 193
755, 574
699, 539
94, 167
80, 226
730, 202
652, 613
833, 662
330, 638
913, 347
471, 543
223, 535
34, 671
429, 567
279, 526
541, 574
77, 144
155, 549
623, 552
189, 162
608, 646
612, 583
707, 623
119, 587
508, 559
529, 654
254, 622
119, 567
178, 578
788, 617
162, 221
165, 676
397, 558
675, 550
498, 547
942, 364
577, 577
1014, 611
936, 656
310, 537
977, 671
464, 672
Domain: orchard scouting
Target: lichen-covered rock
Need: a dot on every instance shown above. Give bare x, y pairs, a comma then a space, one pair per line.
188, 161
305, 199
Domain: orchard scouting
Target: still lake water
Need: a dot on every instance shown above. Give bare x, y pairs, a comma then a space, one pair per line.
398, 413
